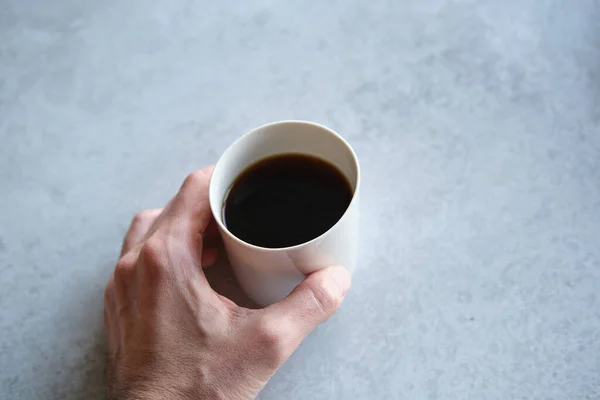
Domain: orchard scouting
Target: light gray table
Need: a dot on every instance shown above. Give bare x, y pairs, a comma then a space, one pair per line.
478, 127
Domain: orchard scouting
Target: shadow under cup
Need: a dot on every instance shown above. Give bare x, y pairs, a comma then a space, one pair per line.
267, 275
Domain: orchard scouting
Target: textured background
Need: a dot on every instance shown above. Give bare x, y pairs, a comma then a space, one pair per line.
478, 127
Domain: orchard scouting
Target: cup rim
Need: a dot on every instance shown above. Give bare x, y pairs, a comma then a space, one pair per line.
217, 217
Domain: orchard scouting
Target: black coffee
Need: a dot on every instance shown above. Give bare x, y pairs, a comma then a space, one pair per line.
286, 200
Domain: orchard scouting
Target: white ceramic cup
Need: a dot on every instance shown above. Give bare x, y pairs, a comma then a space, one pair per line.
268, 275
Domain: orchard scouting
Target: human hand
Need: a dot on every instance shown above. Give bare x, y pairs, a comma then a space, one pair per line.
171, 336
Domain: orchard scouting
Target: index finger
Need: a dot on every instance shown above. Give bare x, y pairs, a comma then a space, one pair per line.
188, 214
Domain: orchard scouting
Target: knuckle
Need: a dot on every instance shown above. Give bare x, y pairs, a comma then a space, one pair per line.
141, 217
151, 255
197, 180
194, 179
272, 341
322, 301
151, 251
123, 270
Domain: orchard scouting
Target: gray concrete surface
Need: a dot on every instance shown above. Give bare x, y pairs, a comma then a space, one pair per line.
478, 127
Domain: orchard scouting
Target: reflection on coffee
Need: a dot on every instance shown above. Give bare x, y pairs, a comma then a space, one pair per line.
286, 200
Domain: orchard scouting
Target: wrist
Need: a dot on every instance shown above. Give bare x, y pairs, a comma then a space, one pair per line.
145, 394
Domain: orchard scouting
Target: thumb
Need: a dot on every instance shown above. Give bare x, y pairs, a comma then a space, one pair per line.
312, 302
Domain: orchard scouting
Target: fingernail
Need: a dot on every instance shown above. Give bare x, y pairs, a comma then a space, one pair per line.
342, 278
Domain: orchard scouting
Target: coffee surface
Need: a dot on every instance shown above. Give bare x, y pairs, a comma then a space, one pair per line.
286, 200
